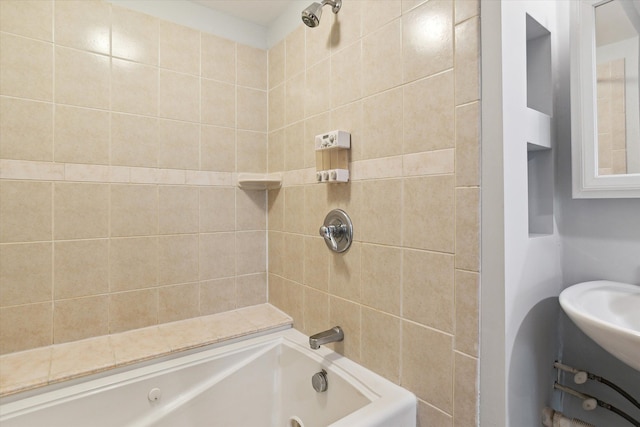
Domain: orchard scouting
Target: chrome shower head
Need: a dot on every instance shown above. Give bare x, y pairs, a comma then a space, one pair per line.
312, 14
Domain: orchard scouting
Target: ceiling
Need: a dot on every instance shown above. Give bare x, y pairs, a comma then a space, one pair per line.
260, 12
615, 22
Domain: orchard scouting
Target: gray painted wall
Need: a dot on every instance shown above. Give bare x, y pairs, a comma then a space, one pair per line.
600, 239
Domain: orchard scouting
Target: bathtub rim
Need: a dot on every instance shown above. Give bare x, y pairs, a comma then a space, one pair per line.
383, 395
125, 368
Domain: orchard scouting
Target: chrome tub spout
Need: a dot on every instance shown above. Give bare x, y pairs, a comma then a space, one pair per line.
332, 335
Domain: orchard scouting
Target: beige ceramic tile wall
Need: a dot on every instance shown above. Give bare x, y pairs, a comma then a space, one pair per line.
403, 78
120, 135
612, 139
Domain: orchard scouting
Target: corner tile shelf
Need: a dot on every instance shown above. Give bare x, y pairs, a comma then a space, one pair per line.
259, 181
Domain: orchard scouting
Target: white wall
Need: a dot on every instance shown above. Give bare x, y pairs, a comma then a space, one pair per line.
600, 239
521, 274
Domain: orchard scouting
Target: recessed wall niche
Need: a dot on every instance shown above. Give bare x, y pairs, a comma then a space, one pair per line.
538, 127
539, 86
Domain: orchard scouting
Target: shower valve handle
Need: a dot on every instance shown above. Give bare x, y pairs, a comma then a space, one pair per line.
331, 232
337, 230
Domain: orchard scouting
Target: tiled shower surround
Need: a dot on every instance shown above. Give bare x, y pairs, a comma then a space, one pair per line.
120, 137
119, 208
403, 78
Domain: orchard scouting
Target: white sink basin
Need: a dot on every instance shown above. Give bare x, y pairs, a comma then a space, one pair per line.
609, 313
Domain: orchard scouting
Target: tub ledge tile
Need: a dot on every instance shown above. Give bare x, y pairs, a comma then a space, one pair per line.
80, 358
24, 370
139, 345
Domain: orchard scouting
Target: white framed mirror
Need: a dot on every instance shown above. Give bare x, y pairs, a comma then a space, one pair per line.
605, 98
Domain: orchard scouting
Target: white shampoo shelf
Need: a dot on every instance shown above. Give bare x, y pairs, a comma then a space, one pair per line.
332, 156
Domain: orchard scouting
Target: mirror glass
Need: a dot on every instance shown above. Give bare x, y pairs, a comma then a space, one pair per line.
617, 25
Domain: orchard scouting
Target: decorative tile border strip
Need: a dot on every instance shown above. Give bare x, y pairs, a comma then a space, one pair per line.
47, 171
426, 163
439, 162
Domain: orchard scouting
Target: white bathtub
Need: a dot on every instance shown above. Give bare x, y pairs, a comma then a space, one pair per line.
260, 381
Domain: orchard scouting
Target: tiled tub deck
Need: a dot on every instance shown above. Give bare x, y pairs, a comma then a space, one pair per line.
36, 368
